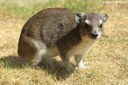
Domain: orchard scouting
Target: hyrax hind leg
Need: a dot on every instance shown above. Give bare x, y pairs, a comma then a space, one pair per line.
40, 52
31, 50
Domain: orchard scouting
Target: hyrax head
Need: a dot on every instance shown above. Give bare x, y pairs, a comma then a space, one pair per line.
93, 23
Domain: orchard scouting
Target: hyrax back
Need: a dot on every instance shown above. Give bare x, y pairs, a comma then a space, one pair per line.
42, 31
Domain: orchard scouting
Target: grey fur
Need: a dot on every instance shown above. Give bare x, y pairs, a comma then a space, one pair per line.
55, 31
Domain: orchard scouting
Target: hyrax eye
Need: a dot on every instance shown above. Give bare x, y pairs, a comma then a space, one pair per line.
87, 26
100, 25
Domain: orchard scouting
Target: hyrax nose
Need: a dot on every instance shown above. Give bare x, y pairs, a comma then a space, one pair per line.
94, 34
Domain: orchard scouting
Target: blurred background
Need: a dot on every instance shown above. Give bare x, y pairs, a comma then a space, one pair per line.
108, 58
26, 8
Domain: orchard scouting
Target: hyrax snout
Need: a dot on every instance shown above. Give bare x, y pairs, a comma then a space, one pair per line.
60, 31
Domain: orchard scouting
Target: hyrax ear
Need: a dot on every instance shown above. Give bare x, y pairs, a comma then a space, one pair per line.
80, 17
104, 17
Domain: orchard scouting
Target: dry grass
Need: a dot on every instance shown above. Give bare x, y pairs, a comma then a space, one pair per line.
108, 57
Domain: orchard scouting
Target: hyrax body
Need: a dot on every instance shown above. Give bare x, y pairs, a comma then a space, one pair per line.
56, 31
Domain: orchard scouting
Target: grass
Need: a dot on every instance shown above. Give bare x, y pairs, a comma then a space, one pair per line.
28, 8
108, 57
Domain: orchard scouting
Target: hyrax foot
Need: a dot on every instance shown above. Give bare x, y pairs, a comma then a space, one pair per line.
68, 65
82, 66
35, 61
79, 62
70, 70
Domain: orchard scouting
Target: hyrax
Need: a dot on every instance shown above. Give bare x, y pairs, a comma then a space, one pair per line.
60, 31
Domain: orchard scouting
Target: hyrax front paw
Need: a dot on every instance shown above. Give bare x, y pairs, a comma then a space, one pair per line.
82, 66
70, 70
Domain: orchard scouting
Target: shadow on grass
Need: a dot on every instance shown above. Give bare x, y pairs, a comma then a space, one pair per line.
12, 62
52, 66
55, 68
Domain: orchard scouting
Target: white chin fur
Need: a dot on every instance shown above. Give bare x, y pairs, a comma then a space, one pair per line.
99, 35
77, 19
100, 21
87, 21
